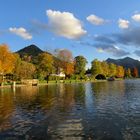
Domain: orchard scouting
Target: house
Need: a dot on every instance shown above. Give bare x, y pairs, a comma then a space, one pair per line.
61, 74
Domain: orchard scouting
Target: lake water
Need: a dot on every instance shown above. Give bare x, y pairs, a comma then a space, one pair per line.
98, 111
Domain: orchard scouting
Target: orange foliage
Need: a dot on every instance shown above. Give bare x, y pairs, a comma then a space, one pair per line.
135, 72
69, 68
120, 72
65, 61
7, 60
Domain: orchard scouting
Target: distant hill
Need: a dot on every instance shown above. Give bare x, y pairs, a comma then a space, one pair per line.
31, 50
30, 53
126, 62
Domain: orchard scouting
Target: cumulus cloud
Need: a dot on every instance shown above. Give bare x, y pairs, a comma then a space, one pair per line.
93, 19
136, 17
65, 24
124, 24
22, 32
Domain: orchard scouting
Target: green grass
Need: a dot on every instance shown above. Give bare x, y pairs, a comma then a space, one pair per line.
63, 81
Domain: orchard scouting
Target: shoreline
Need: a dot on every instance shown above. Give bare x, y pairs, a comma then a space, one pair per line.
56, 82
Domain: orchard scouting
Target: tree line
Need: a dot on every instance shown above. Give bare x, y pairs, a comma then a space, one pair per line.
112, 70
45, 64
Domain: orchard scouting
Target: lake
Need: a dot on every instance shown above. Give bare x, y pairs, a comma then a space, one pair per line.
99, 111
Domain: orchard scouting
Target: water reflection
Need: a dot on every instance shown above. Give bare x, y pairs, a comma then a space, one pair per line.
6, 108
103, 110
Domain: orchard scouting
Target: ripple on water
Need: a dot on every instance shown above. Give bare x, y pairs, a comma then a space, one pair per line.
103, 110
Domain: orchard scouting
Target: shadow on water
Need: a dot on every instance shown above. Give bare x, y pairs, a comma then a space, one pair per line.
102, 110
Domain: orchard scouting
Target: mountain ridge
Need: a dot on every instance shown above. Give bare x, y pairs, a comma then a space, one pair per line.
31, 50
126, 62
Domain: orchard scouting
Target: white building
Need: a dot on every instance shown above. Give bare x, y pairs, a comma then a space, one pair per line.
61, 74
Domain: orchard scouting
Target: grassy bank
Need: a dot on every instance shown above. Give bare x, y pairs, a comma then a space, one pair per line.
19, 84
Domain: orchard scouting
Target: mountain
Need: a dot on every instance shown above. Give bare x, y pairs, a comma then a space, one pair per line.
126, 62
31, 50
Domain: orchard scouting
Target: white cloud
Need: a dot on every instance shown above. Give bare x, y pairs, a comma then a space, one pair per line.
95, 20
136, 17
65, 24
124, 24
22, 32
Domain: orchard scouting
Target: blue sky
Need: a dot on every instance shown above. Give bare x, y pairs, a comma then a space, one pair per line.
92, 28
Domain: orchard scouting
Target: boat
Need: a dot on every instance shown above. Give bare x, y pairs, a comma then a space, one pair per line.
111, 79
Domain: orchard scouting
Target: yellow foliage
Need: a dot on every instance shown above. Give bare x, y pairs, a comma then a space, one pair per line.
7, 60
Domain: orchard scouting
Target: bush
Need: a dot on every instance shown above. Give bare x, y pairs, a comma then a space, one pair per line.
40, 77
51, 78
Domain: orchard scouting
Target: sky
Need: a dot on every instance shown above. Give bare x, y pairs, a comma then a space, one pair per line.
93, 28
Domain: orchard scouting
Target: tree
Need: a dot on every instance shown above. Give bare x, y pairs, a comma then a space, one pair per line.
135, 72
27, 58
64, 55
64, 60
120, 72
0, 66
128, 73
105, 68
57, 65
112, 69
45, 64
96, 67
80, 65
25, 70
7, 60
17, 66
69, 69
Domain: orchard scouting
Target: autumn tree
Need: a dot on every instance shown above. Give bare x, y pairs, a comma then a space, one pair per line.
112, 69
25, 70
119, 72
65, 61
27, 58
64, 55
105, 68
80, 65
45, 64
96, 67
0, 66
135, 72
128, 73
6, 60
69, 70
17, 66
